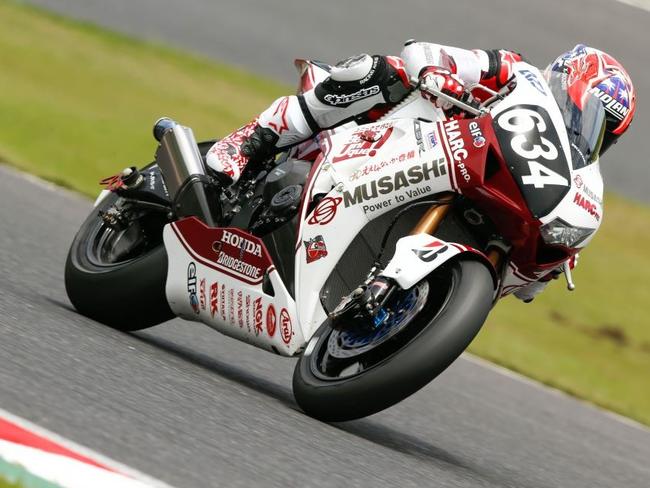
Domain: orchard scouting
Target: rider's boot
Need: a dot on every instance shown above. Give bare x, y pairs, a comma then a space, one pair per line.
282, 125
342, 92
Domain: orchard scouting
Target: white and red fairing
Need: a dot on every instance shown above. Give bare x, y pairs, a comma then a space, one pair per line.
360, 174
216, 276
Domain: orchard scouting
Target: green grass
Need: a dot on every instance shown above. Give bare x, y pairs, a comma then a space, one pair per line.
77, 103
593, 342
6, 484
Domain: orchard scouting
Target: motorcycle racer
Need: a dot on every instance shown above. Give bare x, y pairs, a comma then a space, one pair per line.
364, 87
360, 87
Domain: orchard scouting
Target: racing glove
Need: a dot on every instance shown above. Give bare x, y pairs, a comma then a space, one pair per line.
445, 81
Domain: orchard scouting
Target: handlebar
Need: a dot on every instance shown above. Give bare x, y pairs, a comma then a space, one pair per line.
416, 83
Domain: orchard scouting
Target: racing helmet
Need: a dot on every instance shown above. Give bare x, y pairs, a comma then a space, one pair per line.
588, 72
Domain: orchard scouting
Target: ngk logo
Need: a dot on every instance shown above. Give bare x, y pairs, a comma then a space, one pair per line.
240, 242
258, 314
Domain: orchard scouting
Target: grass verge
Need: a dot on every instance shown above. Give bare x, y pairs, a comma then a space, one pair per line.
6, 484
77, 103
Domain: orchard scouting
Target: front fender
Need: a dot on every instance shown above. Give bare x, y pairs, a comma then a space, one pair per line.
419, 255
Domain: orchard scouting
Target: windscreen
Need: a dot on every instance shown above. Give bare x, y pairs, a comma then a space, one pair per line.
585, 127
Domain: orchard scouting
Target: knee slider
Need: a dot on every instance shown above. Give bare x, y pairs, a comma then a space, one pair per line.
355, 68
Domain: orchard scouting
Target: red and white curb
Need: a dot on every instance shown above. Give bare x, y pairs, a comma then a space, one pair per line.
37, 458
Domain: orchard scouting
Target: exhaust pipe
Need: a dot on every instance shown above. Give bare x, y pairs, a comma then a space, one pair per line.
181, 165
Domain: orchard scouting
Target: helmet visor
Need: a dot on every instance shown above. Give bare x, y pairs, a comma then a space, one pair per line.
584, 119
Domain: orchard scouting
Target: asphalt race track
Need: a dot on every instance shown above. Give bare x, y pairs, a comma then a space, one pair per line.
265, 37
195, 409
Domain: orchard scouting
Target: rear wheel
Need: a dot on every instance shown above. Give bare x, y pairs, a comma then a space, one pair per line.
116, 274
355, 370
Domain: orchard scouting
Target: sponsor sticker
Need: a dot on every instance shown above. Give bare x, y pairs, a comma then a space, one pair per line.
403, 179
431, 251
533, 80
432, 139
191, 286
271, 320
244, 244
457, 147
376, 167
362, 144
241, 254
591, 194
477, 134
325, 211
240, 308
258, 315
231, 307
214, 299
202, 300
578, 181
315, 248
586, 204
223, 302
417, 129
286, 328
247, 306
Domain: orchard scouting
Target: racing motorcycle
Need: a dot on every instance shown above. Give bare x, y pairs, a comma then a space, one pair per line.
373, 252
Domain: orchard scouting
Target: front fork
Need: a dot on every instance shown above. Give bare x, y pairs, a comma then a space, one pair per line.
370, 298
431, 220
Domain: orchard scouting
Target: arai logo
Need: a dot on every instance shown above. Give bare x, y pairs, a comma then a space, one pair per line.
285, 326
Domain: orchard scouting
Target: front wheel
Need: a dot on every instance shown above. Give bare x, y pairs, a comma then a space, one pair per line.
351, 372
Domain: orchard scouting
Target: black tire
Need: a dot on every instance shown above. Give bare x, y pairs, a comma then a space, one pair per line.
443, 330
128, 295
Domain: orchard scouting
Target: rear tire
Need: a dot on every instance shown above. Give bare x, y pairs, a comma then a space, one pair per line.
443, 331
127, 295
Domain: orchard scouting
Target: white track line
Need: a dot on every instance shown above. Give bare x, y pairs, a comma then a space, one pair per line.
84, 451
642, 4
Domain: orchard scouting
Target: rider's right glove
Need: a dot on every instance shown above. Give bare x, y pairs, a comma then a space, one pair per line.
445, 81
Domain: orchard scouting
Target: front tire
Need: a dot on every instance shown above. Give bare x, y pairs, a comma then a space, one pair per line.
431, 341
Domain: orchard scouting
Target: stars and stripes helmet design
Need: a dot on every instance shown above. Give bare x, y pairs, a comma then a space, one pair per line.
592, 73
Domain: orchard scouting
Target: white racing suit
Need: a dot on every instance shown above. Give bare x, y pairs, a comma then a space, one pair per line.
360, 88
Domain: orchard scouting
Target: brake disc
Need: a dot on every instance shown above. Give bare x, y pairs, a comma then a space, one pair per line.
356, 340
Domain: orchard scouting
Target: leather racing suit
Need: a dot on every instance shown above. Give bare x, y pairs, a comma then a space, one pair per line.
363, 88
360, 87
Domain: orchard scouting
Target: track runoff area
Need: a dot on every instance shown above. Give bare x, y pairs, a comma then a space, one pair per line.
33, 457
